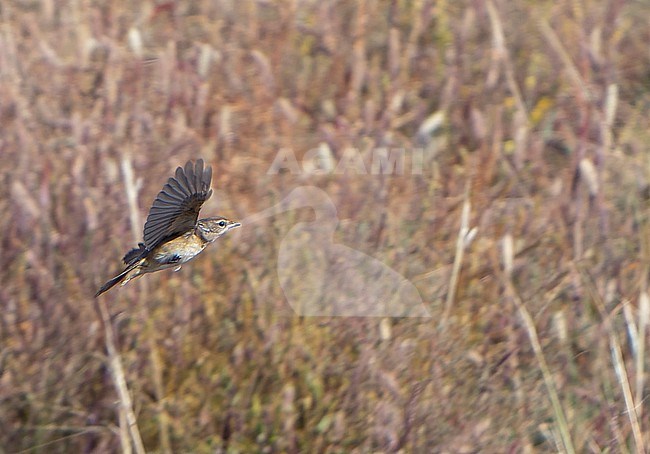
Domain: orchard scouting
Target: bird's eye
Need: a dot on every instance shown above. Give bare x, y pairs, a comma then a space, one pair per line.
222, 224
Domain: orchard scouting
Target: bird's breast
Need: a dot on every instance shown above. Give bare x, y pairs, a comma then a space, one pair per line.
179, 250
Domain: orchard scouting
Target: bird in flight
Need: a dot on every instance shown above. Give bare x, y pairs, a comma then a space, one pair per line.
173, 232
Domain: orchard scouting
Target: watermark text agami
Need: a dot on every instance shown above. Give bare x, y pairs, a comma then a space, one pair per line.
376, 161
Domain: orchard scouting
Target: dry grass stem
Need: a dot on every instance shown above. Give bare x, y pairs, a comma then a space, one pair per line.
618, 362
644, 318
461, 244
127, 416
569, 66
529, 324
131, 188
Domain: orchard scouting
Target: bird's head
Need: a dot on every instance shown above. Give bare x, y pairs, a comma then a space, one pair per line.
212, 228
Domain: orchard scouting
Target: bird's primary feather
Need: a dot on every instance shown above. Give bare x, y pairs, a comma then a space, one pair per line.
176, 208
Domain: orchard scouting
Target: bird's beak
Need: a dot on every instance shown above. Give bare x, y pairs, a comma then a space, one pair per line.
234, 225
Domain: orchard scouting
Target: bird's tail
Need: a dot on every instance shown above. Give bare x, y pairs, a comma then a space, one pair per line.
125, 276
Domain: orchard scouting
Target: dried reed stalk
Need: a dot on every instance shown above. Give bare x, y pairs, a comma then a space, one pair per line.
461, 243
119, 380
617, 361
529, 324
131, 188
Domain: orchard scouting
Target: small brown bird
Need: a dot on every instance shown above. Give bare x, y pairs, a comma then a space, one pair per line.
173, 234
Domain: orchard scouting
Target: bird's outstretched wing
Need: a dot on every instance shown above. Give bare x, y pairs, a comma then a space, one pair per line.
176, 208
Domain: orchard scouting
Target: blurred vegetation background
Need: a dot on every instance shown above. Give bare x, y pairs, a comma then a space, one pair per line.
533, 120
